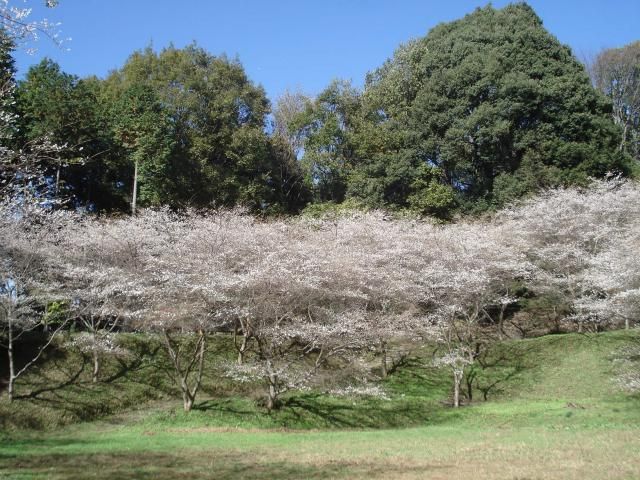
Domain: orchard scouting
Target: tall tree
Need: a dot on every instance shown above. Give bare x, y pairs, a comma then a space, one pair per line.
288, 109
7, 87
324, 128
218, 115
496, 104
144, 129
56, 107
46, 109
24, 167
616, 73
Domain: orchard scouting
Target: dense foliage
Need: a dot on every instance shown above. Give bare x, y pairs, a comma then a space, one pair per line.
309, 295
187, 127
220, 153
480, 111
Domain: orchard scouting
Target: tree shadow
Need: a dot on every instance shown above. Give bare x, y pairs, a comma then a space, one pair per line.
59, 389
127, 366
493, 371
51, 386
216, 464
25, 349
317, 410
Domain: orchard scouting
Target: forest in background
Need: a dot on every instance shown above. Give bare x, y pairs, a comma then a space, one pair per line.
478, 113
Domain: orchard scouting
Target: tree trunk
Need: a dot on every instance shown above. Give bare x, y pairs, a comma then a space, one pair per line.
626, 323
203, 346
187, 398
383, 359
624, 137
503, 334
183, 373
242, 349
272, 397
57, 188
134, 195
556, 320
457, 379
12, 368
96, 366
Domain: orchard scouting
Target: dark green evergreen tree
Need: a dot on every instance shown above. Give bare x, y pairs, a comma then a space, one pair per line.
144, 130
64, 110
493, 106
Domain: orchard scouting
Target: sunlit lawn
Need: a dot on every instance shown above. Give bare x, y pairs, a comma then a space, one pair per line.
559, 417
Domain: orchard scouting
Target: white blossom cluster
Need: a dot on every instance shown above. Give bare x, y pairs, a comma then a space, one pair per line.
15, 21
101, 342
365, 390
306, 293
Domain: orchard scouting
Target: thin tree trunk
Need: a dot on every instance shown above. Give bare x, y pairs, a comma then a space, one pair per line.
203, 345
13, 374
383, 360
57, 180
470, 379
96, 365
457, 379
624, 137
134, 195
272, 397
182, 376
243, 346
12, 369
503, 334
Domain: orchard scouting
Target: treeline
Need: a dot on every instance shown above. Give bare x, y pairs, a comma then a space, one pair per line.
186, 126
477, 113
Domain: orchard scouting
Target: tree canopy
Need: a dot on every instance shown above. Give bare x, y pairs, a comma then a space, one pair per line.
496, 104
616, 73
221, 153
475, 114
478, 112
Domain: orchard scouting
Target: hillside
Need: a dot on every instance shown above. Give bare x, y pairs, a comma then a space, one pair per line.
553, 410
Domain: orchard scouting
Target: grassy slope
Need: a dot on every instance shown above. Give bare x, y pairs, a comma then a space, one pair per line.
553, 412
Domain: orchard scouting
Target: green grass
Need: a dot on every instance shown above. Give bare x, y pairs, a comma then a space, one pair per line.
553, 411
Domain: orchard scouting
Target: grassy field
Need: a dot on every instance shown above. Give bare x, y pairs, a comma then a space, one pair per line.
553, 411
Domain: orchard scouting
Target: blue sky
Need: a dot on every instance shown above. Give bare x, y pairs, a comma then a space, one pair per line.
297, 44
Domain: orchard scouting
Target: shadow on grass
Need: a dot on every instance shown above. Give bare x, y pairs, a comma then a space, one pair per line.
362, 413
127, 367
40, 383
196, 464
317, 410
496, 368
59, 389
